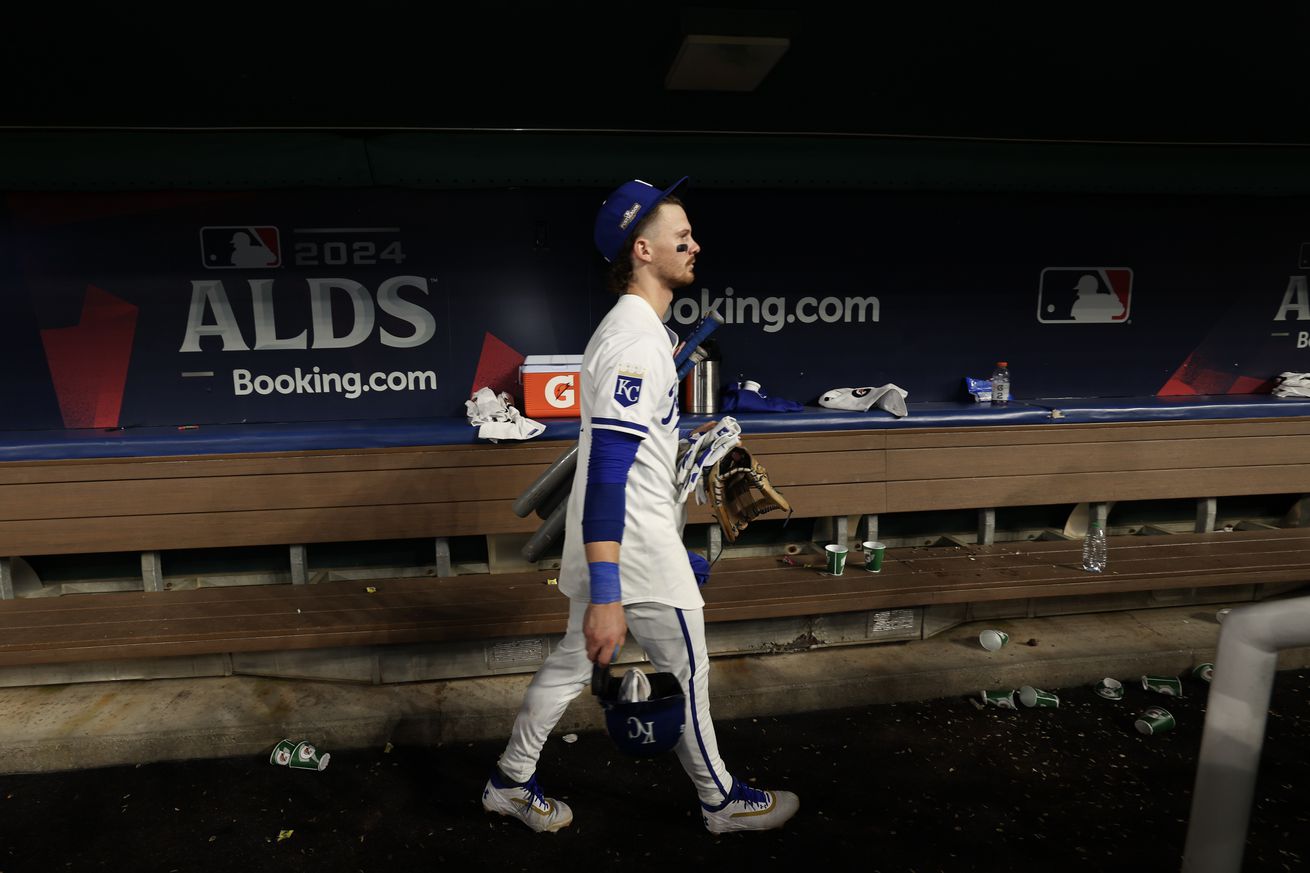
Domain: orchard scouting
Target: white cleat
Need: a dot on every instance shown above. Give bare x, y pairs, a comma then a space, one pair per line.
526, 803
750, 809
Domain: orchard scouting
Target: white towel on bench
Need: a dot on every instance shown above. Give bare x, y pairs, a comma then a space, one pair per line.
1292, 385
889, 397
496, 418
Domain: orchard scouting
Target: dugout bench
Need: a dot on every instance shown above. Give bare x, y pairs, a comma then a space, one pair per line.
152, 490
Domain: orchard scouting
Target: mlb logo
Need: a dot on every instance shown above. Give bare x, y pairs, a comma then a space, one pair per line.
236, 248
1085, 295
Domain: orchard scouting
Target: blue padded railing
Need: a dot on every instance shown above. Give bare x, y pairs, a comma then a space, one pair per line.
227, 439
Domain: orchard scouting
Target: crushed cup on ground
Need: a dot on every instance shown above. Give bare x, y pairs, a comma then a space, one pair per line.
1170, 686
306, 757
1155, 720
1001, 698
1110, 689
1036, 697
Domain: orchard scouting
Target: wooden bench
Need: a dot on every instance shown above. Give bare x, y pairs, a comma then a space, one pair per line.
151, 504
143, 624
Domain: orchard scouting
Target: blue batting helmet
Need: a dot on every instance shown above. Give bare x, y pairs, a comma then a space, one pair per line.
647, 727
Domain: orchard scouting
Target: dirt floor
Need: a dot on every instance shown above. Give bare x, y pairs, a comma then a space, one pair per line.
929, 786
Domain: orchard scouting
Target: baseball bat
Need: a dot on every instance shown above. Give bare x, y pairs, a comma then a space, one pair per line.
698, 335
550, 530
560, 494
562, 469
547, 482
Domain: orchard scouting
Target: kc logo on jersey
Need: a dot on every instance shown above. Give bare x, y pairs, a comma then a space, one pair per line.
1087, 295
627, 385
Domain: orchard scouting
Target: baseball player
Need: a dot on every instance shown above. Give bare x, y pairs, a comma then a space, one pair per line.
624, 565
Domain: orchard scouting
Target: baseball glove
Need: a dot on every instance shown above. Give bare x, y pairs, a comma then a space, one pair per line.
733, 484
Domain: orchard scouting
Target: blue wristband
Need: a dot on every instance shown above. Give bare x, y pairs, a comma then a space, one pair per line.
604, 582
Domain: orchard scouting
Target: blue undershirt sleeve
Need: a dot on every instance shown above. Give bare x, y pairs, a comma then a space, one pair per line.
612, 456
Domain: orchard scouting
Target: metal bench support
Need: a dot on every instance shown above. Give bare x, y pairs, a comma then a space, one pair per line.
986, 526
152, 571
6, 578
1207, 508
299, 565
871, 528
443, 556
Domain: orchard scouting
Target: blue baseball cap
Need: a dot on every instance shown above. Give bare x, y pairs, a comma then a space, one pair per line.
623, 210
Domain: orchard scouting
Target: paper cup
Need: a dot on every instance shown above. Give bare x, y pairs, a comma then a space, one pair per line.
282, 753
836, 558
1030, 696
992, 640
1168, 685
1001, 698
1155, 720
873, 555
306, 757
1204, 672
1110, 689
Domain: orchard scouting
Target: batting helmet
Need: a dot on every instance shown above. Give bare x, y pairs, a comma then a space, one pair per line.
641, 724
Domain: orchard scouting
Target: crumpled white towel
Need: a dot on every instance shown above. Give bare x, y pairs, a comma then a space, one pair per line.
1292, 385
496, 418
704, 450
889, 397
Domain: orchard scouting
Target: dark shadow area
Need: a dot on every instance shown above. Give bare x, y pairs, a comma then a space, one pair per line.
937, 785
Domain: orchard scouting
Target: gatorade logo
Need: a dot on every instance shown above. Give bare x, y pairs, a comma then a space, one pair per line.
561, 391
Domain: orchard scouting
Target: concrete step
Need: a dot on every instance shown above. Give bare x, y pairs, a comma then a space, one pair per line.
63, 727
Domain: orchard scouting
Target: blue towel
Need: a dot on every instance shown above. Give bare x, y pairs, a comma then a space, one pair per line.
748, 397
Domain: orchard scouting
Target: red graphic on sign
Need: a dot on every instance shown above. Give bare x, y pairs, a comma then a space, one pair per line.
1193, 377
88, 362
498, 367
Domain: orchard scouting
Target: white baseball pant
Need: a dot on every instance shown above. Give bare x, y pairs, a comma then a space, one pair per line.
674, 640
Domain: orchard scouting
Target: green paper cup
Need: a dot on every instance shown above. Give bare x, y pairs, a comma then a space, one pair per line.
306, 757
1030, 696
1168, 685
1110, 689
836, 558
1001, 698
1155, 720
873, 554
992, 640
282, 753
1204, 672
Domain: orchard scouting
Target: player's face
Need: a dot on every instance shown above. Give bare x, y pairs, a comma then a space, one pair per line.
677, 269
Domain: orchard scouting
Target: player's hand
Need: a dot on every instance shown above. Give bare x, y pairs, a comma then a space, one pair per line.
605, 629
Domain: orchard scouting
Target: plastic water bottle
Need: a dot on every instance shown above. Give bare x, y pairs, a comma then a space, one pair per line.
1001, 383
1094, 552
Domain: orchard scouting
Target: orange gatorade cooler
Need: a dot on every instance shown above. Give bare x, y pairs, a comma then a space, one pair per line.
550, 386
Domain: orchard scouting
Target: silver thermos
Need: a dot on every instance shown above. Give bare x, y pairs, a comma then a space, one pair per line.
700, 387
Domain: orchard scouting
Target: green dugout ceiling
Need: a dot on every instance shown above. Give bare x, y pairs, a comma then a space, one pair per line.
108, 160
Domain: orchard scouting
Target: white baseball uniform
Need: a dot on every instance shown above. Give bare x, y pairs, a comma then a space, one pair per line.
629, 384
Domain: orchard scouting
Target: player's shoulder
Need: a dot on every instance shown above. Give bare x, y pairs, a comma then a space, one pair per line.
636, 346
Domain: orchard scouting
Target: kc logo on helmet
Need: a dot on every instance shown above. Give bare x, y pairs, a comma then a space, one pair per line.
644, 730
1085, 295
